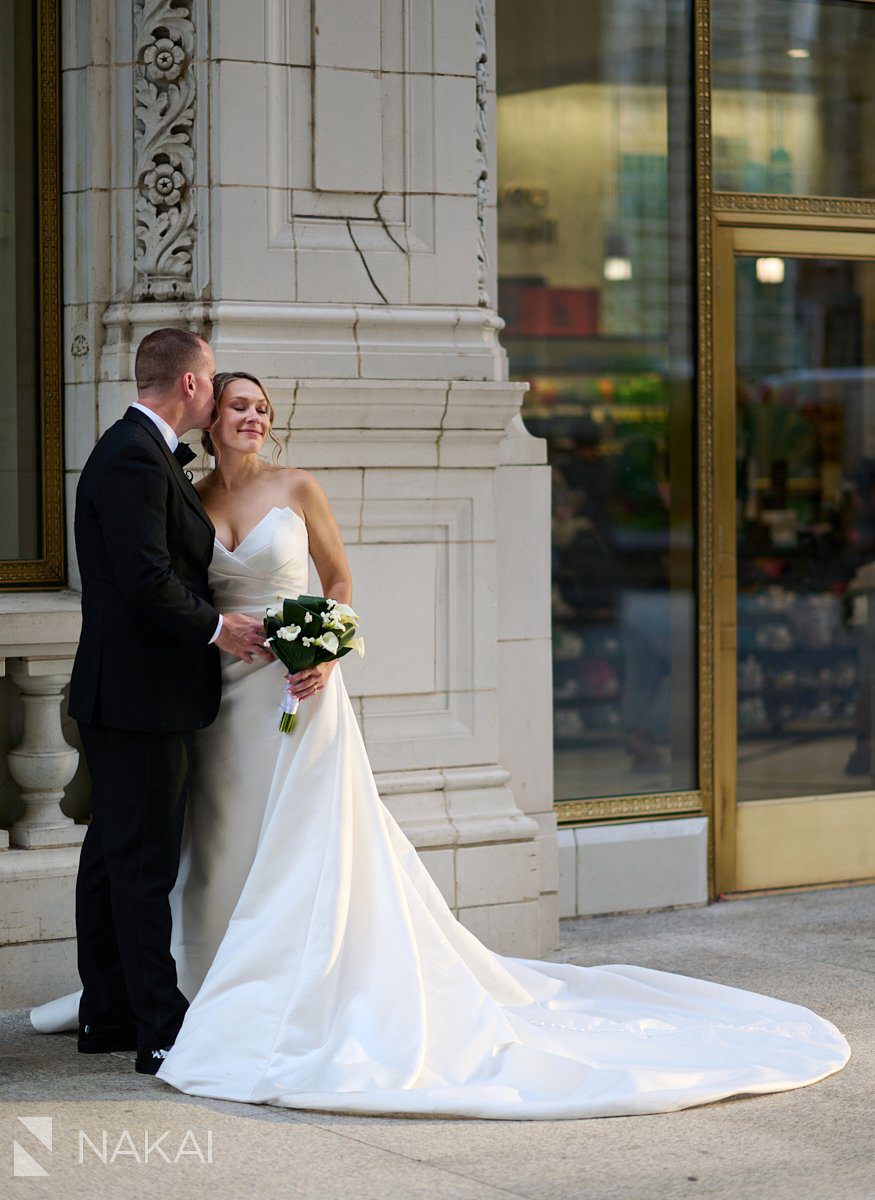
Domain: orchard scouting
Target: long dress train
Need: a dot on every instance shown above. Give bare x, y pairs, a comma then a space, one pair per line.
326, 971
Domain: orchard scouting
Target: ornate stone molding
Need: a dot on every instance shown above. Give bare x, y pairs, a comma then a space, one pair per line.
659, 804
298, 340
833, 206
164, 105
455, 806
482, 76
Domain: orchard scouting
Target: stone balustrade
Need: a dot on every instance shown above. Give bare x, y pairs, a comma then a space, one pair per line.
38, 638
39, 855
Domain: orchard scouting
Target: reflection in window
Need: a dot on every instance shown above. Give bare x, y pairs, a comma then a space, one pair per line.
19, 447
595, 287
794, 97
806, 527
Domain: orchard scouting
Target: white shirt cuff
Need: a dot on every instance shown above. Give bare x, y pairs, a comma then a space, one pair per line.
218, 630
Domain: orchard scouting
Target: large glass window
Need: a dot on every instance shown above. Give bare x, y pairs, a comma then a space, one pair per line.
31, 464
19, 448
805, 457
596, 288
794, 97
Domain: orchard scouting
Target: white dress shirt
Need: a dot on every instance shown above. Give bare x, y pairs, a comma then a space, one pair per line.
169, 435
167, 431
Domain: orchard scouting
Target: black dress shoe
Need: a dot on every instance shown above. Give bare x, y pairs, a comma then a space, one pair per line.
150, 1058
103, 1039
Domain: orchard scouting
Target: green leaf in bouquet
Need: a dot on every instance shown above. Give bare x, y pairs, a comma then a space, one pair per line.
314, 604
293, 612
293, 655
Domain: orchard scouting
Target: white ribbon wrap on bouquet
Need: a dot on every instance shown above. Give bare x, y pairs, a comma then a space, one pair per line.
290, 701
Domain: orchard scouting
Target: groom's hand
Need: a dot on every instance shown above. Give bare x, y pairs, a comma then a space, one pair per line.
243, 637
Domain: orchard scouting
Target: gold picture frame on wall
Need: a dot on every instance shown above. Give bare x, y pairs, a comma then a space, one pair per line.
49, 570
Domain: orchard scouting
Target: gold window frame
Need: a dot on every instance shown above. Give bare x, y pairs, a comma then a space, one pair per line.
48, 571
802, 223
699, 801
716, 562
805, 226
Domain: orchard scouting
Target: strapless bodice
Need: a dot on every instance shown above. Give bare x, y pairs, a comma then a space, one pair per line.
272, 560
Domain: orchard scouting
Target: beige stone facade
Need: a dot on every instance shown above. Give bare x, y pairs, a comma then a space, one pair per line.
317, 194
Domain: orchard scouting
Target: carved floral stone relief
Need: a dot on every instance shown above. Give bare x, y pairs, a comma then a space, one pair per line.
164, 107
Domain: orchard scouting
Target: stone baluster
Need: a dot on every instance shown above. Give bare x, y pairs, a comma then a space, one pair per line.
43, 763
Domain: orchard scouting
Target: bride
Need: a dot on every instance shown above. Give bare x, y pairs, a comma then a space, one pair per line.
324, 968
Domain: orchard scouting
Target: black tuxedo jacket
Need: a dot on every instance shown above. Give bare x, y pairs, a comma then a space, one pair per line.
144, 544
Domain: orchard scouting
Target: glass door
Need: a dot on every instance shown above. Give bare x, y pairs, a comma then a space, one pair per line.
795, 421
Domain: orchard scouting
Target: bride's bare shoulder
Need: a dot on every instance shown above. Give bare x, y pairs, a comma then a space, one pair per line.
295, 479
305, 492
297, 486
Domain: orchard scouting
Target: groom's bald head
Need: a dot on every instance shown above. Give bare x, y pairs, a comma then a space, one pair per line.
164, 355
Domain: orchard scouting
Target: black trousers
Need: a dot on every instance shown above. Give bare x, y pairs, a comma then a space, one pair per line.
127, 869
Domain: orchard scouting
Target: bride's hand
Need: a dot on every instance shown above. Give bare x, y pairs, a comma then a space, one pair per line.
308, 682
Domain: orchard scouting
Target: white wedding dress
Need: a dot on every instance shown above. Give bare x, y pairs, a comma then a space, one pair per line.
325, 970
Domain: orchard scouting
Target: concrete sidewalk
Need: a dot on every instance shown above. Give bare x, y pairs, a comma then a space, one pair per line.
816, 1143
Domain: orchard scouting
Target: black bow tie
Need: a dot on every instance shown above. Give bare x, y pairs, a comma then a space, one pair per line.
184, 453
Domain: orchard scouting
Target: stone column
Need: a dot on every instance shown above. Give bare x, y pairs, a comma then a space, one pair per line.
312, 184
43, 763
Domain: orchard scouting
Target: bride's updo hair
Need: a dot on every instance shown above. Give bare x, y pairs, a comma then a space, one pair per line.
220, 382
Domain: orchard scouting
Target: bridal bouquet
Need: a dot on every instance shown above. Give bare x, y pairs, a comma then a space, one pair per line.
305, 632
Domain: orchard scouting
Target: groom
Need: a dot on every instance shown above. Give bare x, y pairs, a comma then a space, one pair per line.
146, 676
